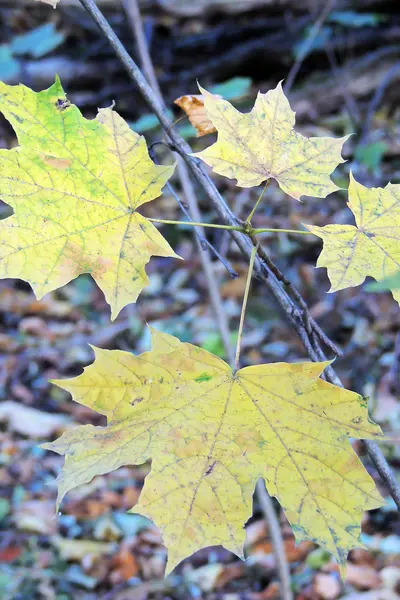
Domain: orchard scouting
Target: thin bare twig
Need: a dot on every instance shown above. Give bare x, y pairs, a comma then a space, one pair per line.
215, 296
135, 19
293, 313
132, 10
307, 45
271, 518
342, 77
393, 73
205, 243
311, 326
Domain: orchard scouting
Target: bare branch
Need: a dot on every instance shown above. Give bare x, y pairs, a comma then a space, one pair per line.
271, 518
293, 312
135, 19
204, 242
308, 44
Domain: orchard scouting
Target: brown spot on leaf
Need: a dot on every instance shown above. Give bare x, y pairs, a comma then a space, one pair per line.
211, 468
136, 401
58, 163
62, 104
78, 262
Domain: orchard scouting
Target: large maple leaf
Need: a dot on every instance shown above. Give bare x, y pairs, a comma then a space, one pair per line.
75, 186
261, 144
372, 247
211, 433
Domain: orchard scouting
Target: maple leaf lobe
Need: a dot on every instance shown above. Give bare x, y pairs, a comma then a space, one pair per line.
75, 186
211, 434
371, 247
256, 146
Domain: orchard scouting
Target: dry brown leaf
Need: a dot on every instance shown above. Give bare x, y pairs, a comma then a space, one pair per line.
229, 573
256, 532
31, 422
79, 549
205, 577
362, 577
297, 551
36, 516
193, 106
124, 566
327, 586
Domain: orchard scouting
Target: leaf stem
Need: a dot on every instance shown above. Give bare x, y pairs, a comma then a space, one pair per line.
193, 224
247, 230
271, 229
258, 201
244, 305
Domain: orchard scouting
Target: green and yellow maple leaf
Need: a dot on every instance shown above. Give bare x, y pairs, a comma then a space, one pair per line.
372, 247
211, 433
261, 144
75, 186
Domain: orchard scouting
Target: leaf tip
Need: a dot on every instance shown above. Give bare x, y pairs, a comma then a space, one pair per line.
58, 85
202, 90
46, 446
343, 569
353, 180
57, 382
114, 312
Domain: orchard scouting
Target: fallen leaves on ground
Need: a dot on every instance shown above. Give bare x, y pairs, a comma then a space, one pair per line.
261, 144
31, 422
363, 577
74, 316
327, 586
372, 247
75, 186
36, 516
211, 434
79, 549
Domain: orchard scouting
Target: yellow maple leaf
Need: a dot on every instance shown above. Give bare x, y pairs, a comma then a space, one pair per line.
211, 433
372, 247
255, 146
75, 186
